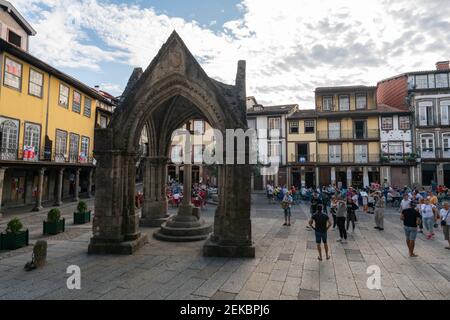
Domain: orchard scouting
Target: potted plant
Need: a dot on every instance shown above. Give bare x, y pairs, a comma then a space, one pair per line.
384, 158
83, 215
54, 223
14, 238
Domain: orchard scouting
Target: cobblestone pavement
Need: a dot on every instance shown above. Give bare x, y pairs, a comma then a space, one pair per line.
286, 266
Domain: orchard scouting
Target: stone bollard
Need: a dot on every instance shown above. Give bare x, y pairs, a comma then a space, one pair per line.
39, 257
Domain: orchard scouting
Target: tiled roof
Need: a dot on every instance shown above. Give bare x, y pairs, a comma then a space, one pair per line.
344, 88
384, 108
18, 17
25, 56
281, 109
303, 114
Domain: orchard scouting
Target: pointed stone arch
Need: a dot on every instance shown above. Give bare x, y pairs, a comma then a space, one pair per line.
173, 89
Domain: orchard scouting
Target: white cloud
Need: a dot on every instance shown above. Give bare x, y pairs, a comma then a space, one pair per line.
291, 46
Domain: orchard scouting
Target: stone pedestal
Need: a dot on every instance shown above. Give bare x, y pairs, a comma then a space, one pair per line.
185, 226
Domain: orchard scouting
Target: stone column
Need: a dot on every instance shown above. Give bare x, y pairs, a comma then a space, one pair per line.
59, 187
40, 186
154, 210
366, 181
317, 177
185, 208
440, 174
349, 177
333, 176
2, 178
89, 188
131, 219
111, 223
76, 192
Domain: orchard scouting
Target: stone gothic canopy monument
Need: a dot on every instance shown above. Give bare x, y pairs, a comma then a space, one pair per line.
172, 90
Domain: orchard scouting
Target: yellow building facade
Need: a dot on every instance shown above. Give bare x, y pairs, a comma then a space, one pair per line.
47, 122
302, 148
348, 136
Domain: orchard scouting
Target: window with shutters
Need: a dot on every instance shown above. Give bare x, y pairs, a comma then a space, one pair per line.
425, 113
334, 153
446, 144
327, 104
445, 110
427, 145
361, 101
344, 103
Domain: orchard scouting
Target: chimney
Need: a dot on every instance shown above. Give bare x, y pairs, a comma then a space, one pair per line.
443, 66
97, 87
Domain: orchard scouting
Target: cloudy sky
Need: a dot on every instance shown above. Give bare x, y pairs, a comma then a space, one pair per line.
291, 46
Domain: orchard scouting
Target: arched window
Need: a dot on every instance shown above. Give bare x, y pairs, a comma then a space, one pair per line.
9, 133
31, 142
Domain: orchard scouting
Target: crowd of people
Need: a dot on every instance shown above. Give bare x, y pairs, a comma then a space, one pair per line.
421, 211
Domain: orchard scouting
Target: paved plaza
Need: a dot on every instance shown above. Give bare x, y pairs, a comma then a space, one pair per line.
285, 267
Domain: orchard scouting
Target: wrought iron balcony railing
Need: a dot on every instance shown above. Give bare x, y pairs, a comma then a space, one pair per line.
348, 135
349, 158
26, 154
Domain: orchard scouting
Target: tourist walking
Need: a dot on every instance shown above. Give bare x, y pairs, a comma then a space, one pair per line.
445, 222
351, 215
428, 212
269, 190
333, 210
286, 204
411, 219
379, 211
321, 223
341, 213
405, 203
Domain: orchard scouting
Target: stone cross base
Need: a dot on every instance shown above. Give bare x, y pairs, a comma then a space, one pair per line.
152, 222
213, 249
98, 246
183, 231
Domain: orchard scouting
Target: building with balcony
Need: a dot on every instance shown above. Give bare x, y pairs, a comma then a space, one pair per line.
202, 144
270, 123
348, 136
47, 121
427, 95
302, 148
